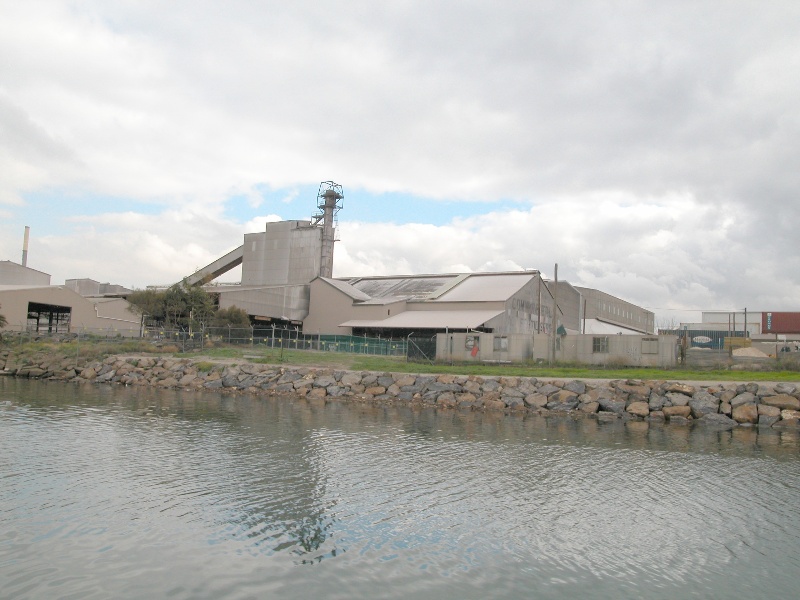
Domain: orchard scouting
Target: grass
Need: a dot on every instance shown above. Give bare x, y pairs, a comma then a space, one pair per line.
96, 350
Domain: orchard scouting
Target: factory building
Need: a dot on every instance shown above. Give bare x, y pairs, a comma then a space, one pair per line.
30, 303
279, 263
392, 306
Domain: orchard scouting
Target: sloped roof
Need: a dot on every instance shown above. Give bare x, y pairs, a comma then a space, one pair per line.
346, 288
487, 287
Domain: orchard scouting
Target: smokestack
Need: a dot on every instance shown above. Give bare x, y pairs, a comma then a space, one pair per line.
25, 246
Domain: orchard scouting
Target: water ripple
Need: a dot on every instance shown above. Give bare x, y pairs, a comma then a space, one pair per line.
100, 491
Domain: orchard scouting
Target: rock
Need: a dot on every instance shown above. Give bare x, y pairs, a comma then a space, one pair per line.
725, 408
317, 392
680, 388
745, 413
536, 400
656, 415
576, 386
326, 381
769, 411
677, 399
589, 407
767, 421
615, 405
717, 421
400, 381
213, 384
676, 411
490, 385
89, 373
656, 402
790, 415
637, 390
640, 409
375, 390
350, 379
782, 401
703, 403
745, 398
785, 388
548, 389
513, 401
563, 406
495, 405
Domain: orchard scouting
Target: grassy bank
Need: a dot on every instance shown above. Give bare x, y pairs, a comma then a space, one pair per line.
84, 351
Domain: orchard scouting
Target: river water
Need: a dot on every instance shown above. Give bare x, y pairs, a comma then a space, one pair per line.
114, 492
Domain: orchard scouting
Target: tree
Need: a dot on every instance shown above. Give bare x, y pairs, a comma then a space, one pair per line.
233, 316
150, 302
3, 321
181, 305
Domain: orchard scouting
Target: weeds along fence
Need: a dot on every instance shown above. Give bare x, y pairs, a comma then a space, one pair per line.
287, 339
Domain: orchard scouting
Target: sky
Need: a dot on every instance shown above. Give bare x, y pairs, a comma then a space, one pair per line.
650, 149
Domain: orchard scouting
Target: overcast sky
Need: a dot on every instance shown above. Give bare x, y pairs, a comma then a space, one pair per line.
649, 148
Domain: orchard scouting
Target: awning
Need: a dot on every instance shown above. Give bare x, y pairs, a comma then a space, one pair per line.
428, 319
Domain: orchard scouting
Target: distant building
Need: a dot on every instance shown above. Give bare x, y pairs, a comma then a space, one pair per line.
15, 274
30, 303
89, 288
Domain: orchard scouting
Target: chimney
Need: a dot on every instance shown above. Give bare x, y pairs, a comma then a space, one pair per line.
25, 246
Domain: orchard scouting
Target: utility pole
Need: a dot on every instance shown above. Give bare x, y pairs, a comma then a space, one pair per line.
555, 313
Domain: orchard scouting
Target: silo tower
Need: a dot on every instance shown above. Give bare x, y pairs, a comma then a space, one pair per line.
329, 201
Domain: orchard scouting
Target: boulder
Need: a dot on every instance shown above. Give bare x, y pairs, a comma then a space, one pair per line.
769, 411
717, 421
678, 399
676, 411
589, 407
782, 401
536, 400
640, 409
703, 403
578, 387
615, 405
767, 421
680, 388
745, 413
785, 388
745, 398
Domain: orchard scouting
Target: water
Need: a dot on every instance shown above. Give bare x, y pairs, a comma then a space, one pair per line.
136, 493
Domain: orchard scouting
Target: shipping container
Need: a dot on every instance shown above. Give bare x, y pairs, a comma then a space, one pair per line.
780, 322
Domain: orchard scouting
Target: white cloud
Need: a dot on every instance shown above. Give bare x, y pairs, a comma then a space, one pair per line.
652, 147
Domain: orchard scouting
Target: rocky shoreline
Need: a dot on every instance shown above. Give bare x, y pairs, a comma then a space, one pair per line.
723, 406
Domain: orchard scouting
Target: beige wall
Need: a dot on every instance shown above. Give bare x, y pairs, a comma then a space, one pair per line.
14, 274
629, 350
98, 315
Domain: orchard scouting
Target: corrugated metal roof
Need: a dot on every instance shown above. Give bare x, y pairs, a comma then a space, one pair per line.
480, 287
429, 319
346, 288
412, 286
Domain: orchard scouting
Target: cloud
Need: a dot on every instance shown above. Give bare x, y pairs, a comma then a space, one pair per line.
651, 149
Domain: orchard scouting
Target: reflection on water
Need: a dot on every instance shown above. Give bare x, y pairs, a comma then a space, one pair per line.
110, 491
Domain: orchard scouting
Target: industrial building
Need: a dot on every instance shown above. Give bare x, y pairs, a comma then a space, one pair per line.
279, 263
30, 303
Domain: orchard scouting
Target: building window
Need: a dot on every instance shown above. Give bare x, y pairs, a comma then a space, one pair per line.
600, 345
500, 344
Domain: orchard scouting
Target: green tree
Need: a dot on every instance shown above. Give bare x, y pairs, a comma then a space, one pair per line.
233, 316
181, 305
150, 302
3, 321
